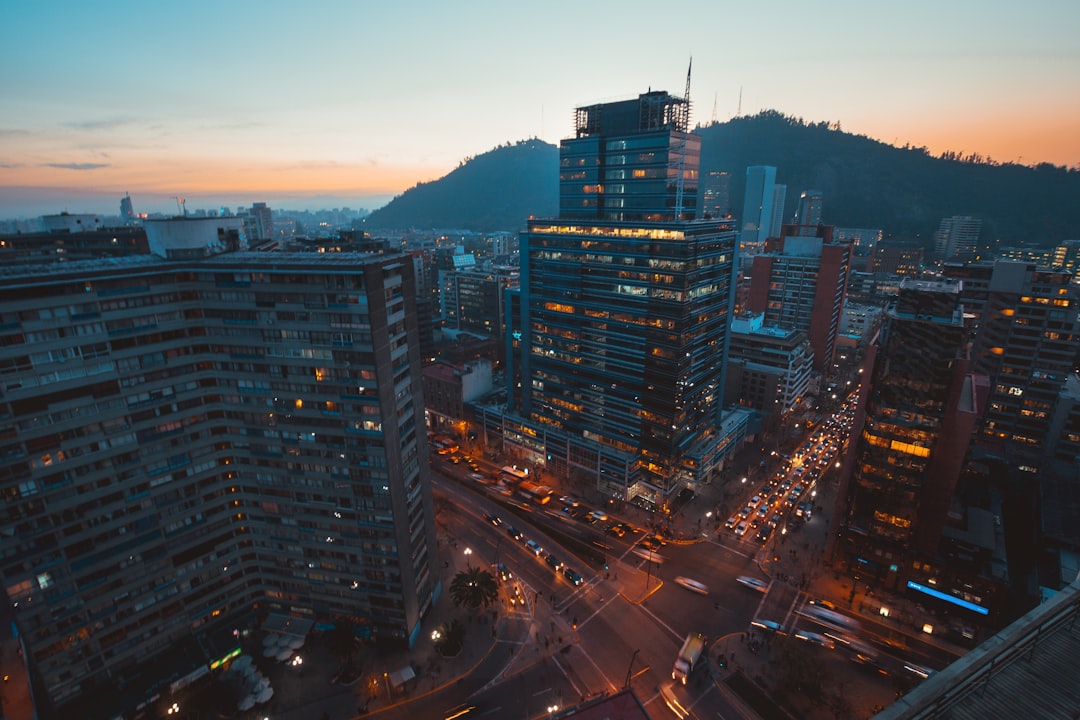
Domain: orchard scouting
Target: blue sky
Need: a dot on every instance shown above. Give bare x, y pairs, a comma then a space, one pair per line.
234, 102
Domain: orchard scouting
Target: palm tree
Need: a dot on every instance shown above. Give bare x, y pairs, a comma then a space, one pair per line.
473, 588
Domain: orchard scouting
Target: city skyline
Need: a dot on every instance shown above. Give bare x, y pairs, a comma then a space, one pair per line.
355, 104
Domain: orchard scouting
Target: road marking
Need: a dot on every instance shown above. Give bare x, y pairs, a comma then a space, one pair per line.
602, 674
661, 623
566, 675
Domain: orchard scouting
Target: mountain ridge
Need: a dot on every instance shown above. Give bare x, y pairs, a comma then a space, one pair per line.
868, 183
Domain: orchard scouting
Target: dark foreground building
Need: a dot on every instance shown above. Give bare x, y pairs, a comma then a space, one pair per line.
191, 444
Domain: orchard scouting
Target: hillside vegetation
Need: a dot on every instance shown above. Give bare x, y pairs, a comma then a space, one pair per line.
865, 183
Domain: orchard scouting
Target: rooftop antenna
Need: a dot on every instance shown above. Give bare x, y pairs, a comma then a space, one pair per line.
738, 109
680, 177
181, 205
714, 108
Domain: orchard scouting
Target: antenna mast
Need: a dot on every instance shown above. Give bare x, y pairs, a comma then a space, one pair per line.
738, 109
680, 180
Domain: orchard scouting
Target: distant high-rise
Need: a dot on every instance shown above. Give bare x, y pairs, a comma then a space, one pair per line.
957, 238
757, 215
127, 211
625, 301
716, 194
809, 212
263, 227
197, 439
800, 282
776, 225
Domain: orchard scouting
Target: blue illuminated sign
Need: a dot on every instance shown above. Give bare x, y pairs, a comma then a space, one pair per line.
947, 598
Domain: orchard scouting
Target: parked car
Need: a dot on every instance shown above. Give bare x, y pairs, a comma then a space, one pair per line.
740, 529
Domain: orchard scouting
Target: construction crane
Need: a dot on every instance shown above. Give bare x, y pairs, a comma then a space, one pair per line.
181, 206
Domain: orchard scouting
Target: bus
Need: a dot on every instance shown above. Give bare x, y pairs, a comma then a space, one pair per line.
831, 618
512, 474
535, 493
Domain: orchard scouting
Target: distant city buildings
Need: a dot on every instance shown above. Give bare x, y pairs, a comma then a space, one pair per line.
800, 282
957, 238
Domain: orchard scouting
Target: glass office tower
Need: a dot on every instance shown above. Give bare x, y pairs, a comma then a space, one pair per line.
626, 299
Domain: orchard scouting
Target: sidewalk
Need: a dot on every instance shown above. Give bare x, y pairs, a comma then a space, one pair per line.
305, 691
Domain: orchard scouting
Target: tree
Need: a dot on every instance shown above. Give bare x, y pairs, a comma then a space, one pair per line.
341, 641
473, 588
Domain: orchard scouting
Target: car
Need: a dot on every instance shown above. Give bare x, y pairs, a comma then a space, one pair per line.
649, 543
572, 577
774, 520
692, 585
753, 583
816, 639
479, 477
755, 500
569, 500
769, 626
746, 511
740, 529
763, 511
535, 547
504, 572
493, 519
617, 529
514, 532
555, 563
732, 522
461, 711
516, 598
756, 523
599, 515
473, 464
764, 533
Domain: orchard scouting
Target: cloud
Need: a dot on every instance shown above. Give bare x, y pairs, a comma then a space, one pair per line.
13, 132
10, 166
77, 166
107, 124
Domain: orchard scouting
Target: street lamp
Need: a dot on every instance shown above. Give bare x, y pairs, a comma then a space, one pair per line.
468, 552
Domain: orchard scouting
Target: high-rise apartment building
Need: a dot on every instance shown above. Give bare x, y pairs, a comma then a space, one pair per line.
626, 301
1027, 346
195, 441
768, 367
920, 406
800, 282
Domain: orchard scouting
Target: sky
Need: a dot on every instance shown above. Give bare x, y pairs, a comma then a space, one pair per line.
351, 102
